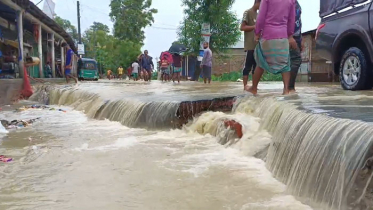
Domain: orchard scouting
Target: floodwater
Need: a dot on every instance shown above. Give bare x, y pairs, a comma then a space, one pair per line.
77, 160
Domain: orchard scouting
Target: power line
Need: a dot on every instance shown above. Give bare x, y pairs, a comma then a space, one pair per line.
67, 4
50, 9
38, 2
94, 10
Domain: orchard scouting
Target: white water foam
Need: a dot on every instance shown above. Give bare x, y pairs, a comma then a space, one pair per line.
280, 202
3, 130
118, 144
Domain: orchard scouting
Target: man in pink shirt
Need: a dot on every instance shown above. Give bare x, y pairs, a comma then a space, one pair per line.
274, 30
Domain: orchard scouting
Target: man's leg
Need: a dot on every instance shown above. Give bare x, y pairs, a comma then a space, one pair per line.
197, 73
248, 66
209, 73
150, 75
76, 80
295, 62
256, 78
286, 80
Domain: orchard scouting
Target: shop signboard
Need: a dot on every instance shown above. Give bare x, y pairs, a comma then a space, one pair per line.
81, 49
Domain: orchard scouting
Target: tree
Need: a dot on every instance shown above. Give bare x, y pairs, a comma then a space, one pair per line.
130, 18
68, 27
97, 26
223, 22
109, 51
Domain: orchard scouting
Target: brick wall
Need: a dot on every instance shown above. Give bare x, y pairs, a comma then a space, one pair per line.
232, 60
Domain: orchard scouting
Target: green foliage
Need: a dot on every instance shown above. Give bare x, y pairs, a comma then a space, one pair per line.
234, 76
68, 27
97, 26
223, 22
226, 77
155, 75
130, 18
108, 50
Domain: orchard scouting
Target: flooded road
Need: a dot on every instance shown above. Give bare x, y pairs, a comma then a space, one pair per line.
79, 160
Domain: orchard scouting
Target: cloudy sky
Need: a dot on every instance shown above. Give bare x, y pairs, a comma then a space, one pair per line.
163, 32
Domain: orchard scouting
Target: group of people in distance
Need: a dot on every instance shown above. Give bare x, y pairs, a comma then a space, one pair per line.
171, 66
273, 41
141, 68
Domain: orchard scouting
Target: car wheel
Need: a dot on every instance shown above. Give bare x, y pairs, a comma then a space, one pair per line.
354, 71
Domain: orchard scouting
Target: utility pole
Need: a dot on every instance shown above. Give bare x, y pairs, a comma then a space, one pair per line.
79, 33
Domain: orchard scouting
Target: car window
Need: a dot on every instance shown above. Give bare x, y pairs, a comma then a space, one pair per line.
89, 65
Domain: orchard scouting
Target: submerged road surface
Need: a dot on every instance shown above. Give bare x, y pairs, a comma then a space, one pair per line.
77, 158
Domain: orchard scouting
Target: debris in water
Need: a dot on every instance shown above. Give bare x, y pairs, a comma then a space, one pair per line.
5, 159
38, 107
17, 123
35, 148
237, 127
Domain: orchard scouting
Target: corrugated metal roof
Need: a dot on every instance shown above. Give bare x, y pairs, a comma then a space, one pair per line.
40, 15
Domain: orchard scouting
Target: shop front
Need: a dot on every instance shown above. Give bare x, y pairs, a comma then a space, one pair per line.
29, 39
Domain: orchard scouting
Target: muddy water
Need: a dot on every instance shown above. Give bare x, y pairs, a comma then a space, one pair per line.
67, 160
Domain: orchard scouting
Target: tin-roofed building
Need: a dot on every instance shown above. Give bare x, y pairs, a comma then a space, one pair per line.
28, 35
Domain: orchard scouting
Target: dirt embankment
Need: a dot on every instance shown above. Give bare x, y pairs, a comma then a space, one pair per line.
10, 90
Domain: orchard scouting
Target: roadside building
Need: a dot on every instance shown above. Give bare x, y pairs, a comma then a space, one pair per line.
232, 60
314, 68
27, 35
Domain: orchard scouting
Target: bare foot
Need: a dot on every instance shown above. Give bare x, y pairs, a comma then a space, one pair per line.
286, 92
251, 90
292, 91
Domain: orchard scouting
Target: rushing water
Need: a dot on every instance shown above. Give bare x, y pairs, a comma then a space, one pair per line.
98, 154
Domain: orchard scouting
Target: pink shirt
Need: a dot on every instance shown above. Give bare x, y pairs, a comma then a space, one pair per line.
276, 19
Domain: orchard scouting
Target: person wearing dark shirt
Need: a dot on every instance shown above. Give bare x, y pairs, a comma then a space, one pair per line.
69, 63
295, 54
146, 65
177, 59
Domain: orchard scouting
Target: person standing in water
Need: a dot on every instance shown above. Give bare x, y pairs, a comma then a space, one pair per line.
135, 70
48, 70
146, 65
206, 63
274, 30
69, 63
248, 27
177, 59
109, 74
295, 54
120, 72
165, 67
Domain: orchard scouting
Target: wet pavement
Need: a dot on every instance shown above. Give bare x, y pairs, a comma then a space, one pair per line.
322, 98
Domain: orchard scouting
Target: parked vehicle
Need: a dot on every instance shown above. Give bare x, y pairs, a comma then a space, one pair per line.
344, 37
89, 70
